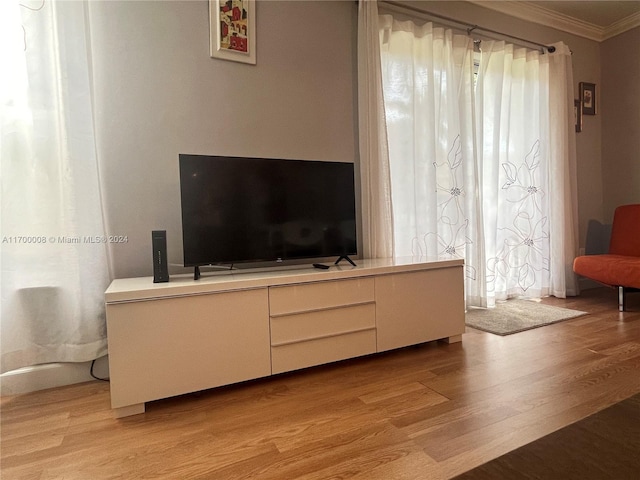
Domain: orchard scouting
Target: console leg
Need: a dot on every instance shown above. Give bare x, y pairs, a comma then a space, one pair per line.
128, 410
453, 339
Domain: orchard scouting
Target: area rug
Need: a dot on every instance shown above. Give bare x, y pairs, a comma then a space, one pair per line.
516, 315
602, 446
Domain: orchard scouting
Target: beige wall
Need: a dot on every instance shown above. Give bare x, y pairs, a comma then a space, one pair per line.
158, 93
620, 112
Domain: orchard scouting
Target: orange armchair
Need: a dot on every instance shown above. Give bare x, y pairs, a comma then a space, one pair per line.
621, 266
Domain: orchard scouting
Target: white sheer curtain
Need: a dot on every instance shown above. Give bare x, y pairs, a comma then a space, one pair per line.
375, 183
513, 98
428, 78
524, 152
482, 174
563, 173
54, 260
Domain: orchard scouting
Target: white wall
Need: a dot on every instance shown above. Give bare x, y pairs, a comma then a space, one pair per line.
158, 93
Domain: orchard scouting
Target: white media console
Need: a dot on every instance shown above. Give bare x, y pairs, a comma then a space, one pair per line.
167, 339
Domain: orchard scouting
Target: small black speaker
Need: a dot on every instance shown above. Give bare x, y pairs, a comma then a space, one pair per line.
160, 265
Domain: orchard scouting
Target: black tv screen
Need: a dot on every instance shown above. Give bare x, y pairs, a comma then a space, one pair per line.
237, 209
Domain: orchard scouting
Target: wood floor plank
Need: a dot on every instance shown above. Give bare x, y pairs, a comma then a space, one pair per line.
432, 411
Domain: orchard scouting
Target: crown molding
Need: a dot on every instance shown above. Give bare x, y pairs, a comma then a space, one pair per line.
622, 26
559, 21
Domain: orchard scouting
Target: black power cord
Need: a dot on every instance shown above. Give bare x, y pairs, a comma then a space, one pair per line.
93, 362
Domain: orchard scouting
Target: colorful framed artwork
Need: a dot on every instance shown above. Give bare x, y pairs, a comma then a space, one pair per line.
233, 30
588, 98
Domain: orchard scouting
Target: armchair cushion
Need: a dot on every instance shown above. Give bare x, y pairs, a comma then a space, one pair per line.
613, 270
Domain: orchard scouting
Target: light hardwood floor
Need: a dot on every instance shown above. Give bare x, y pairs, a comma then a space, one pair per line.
426, 412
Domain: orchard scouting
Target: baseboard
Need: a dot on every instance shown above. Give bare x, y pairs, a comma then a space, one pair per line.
50, 375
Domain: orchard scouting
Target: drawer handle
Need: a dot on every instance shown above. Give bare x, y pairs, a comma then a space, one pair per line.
322, 309
328, 335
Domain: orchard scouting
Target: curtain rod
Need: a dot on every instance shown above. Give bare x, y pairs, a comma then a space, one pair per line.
470, 27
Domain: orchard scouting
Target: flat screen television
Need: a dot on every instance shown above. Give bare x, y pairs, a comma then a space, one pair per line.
238, 210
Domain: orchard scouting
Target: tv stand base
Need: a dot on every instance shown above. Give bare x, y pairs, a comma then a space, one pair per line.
169, 339
345, 257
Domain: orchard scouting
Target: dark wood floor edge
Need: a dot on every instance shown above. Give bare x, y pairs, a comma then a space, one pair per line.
553, 454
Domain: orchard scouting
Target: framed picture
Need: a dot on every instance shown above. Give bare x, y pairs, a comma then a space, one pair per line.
588, 98
233, 30
577, 113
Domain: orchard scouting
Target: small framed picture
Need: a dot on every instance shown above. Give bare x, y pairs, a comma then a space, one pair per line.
232, 25
577, 113
588, 98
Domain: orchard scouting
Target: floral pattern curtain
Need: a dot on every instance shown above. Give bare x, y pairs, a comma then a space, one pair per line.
472, 158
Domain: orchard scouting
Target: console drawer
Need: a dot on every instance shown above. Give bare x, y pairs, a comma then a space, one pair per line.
302, 327
320, 295
294, 356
